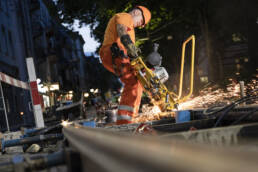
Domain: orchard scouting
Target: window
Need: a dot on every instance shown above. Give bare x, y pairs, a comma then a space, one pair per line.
7, 7
3, 5
4, 40
7, 105
11, 44
0, 38
204, 79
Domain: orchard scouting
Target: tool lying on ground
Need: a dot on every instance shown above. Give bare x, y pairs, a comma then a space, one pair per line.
29, 140
153, 80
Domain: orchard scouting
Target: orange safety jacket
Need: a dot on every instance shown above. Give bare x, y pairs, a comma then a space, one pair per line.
131, 95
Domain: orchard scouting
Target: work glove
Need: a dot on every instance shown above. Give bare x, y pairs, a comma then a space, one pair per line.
132, 51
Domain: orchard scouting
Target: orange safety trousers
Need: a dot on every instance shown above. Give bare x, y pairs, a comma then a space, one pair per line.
132, 92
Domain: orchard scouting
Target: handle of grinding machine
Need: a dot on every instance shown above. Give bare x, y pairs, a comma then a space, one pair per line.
191, 38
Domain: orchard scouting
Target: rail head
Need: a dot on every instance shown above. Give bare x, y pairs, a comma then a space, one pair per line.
111, 151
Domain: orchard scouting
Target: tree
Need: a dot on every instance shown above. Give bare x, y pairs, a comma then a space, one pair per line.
213, 22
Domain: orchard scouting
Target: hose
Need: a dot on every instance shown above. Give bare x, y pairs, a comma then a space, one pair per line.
209, 111
243, 117
231, 106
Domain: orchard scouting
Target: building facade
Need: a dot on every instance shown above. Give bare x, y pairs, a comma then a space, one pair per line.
28, 30
13, 52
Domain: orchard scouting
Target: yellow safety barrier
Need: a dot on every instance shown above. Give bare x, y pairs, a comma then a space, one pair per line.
191, 38
160, 95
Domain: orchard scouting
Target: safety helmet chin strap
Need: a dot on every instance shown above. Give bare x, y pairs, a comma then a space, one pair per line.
142, 15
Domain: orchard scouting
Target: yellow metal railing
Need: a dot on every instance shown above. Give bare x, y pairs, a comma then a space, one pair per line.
191, 38
161, 96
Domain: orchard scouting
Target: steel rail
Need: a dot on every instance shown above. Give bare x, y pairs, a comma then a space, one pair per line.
237, 135
103, 150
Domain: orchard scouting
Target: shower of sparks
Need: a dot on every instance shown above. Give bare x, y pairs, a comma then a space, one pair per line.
211, 96
155, 110
65, 123
151, 113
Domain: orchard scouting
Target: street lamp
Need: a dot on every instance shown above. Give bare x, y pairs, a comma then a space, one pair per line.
49, 89
54, 87
86, 95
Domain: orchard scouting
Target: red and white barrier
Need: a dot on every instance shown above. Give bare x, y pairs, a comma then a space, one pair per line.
38, 115
14, 82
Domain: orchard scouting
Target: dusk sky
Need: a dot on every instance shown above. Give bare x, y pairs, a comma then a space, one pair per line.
90, 43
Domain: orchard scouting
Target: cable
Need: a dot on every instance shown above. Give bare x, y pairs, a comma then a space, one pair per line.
206, 111
243, 117
231, 106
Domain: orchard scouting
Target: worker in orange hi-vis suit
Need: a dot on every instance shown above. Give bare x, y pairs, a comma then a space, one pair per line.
116, 52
